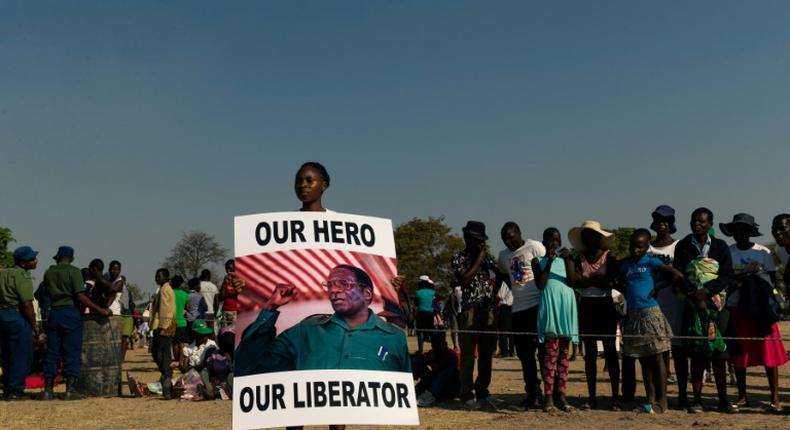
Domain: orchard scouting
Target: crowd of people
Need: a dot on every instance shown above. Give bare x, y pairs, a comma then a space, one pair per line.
697, 303
78, 324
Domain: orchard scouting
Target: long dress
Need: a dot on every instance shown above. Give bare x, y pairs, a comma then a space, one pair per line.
557, 314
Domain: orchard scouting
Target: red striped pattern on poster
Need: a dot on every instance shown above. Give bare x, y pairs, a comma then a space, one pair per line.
307, 269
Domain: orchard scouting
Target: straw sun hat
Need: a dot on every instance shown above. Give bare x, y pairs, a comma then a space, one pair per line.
575, 235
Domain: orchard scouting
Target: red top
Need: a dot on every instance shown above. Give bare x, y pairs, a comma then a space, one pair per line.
231, 303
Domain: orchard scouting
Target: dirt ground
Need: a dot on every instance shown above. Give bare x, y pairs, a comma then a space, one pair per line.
154, 413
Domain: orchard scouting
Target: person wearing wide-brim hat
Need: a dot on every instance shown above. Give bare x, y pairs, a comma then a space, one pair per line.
593, 271
17, 322
670, 303
666, 214
605, 238
752, 259
741, 221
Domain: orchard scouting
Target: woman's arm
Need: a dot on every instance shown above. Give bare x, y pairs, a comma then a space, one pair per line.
541, 276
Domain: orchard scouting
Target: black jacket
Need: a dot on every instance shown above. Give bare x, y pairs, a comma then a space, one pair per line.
686, 251
755, 302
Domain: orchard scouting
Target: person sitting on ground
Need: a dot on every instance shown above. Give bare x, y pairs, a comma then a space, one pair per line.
194, 354
437, 372
216, 373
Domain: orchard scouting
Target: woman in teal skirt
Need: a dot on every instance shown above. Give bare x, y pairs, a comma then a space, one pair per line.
558, 325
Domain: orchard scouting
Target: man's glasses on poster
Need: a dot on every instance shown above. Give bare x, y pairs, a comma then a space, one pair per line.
341, 285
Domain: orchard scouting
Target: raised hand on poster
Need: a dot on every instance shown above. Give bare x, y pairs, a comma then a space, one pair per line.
399, 282
282, 295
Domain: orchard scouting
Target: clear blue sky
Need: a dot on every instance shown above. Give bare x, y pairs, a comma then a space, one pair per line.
124, 124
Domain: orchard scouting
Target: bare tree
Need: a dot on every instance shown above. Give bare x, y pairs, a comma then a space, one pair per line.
193, 252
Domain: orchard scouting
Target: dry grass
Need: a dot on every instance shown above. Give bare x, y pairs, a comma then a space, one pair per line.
153, 413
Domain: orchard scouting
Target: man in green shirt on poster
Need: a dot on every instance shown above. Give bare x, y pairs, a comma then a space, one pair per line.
352, 338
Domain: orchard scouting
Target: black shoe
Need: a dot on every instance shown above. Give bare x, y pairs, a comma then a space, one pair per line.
48, 393
12, 397
529, 403
167, 390
71, 390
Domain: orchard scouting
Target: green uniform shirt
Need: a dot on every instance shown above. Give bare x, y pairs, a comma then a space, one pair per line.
321, 342
181, 302
62, 281
16, 286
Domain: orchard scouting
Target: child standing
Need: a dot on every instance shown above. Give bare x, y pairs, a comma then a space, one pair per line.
647, 334
557, 319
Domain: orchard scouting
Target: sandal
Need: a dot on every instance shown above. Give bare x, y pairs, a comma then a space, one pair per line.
566, 408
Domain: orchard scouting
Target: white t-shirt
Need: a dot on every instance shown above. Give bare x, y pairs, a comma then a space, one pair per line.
195, 354
670, 304
518, 265
741, 258
781, 252
115, 307
208, 290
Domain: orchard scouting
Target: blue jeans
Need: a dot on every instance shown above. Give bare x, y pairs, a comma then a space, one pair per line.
64, 339
16, 342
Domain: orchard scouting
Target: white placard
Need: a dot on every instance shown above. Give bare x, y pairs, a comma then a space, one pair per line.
316, 397
278, 231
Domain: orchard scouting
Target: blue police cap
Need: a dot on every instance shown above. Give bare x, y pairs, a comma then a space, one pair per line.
65, 251
24, 253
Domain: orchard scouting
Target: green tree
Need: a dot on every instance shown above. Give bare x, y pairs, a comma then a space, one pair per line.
425, 247
6, 258
192, 253
136, 292
622, 238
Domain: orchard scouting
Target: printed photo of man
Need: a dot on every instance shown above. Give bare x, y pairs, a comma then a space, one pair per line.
353, 337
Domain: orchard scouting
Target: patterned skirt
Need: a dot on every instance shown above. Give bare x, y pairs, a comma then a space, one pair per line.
646, 332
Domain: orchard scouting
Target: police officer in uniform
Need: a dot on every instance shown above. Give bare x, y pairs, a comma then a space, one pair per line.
17, 322
64, 285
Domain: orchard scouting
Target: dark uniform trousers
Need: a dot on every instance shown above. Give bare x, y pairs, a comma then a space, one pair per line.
16, 343
64, 339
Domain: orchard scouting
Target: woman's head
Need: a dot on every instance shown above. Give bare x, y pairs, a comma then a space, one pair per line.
780, 228
663, 220
552, 239
701, 221
311, 181
591, 239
